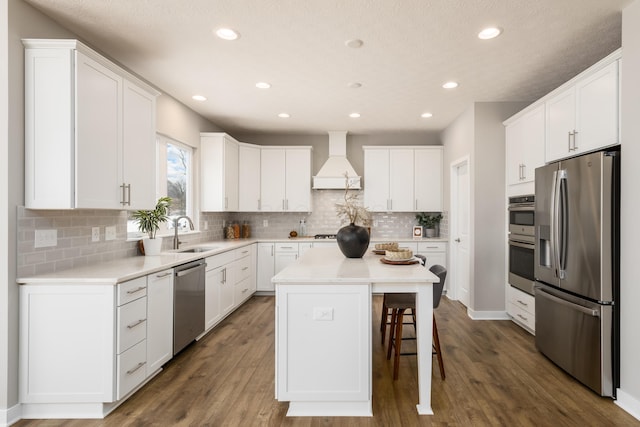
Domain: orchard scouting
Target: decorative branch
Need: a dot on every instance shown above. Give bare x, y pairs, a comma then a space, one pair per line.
351, 210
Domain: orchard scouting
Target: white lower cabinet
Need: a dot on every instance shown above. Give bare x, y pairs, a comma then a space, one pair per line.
286, 254
266, 267
108, 341
522, 309
230, 280
435, 252
159, 319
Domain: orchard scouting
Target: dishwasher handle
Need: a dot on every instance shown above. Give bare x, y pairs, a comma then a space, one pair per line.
184, 272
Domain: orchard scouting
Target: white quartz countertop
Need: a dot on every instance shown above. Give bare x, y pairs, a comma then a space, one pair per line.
329, 265
124, 269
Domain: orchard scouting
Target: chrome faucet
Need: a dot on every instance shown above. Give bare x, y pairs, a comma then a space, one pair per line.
176, 242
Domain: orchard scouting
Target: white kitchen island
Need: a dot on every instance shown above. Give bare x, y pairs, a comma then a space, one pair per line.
323, 331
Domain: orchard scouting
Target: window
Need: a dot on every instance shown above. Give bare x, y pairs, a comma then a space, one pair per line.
174, 179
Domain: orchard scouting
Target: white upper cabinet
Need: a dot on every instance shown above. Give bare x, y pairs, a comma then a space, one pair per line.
249, 178
285, 179
219, 172
403, 179
584, 115
89, 130
428, 179
525, 146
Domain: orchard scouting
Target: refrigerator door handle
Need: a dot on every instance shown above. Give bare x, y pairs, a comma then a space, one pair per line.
553, 213
586, 310
563, 225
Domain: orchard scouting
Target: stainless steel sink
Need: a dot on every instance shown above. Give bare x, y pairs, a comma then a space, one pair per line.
199, 249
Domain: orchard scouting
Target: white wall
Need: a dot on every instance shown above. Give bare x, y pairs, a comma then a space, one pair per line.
479, 134
629, 392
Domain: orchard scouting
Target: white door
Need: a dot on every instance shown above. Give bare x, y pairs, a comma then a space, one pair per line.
460, 227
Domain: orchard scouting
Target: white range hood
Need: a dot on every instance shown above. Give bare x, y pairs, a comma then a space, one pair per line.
331, 174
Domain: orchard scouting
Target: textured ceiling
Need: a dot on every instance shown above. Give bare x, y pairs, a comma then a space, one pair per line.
411, 47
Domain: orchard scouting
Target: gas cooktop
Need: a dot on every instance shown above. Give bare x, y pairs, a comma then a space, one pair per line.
324, 236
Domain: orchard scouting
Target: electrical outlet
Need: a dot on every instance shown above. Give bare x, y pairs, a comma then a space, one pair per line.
95, 234
110, 233
265, 222
206, 225
322, 313
45, 238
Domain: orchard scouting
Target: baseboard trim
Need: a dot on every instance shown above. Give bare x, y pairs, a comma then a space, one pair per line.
10, 416
629, 403
487, 315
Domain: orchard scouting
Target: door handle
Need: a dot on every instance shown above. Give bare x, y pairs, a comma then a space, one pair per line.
458, 240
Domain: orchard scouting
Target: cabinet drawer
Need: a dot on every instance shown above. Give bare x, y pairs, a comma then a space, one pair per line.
287, 247
219, 260
132, 369
242, 252
522, 316
132, 324
242, 290
243, 268
132, 290
432, 247
522, 300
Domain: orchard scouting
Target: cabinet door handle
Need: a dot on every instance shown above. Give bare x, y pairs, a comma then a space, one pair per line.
245, 290
283, 204
575, 147
138, 366
168, 273
523, 303
245, 268
524, 171
569, 141
123, 199
245, 252
416, 206
522, 317
224, 275
133, 291
272, 247
259, 204
129, 194
133, 325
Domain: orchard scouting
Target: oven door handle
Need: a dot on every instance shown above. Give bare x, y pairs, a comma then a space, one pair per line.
523, 245
586, 310
527, 207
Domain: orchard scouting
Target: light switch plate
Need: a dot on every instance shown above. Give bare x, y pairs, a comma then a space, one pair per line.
265, 222
95, 234
45, 238
110, 233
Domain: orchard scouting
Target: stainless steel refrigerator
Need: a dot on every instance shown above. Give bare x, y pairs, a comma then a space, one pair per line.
577, 267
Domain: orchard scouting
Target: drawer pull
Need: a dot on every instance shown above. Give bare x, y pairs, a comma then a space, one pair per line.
133, 291
245, 290
245, 252
168, 273
133, 325
523, 318
286, 247
138, 366
523, 303
245, 268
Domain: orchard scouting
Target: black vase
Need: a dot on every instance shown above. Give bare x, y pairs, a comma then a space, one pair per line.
353, 240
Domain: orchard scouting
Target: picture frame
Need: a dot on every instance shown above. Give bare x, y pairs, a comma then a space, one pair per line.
417, 232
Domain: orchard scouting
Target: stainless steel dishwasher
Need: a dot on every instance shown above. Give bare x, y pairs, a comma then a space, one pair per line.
188, 303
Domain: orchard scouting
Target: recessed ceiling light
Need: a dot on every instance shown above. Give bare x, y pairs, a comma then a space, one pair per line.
489, 33
263, 85
426, 115
284, 115
354, 85
227, 34
450, 85
354, 115
354, 43
199, 98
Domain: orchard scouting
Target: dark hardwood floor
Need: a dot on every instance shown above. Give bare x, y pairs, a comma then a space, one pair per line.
495, 377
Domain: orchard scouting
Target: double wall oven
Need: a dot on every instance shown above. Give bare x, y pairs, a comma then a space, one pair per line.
521, 242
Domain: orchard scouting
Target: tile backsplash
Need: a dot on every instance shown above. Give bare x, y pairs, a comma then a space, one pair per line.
74, 246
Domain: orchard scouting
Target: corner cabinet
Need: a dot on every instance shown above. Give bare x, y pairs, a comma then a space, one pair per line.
219, 172
89, 130
583, 115
403, 179
285, 179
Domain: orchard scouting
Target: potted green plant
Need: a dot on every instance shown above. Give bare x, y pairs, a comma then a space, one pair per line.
149, 222
430, 223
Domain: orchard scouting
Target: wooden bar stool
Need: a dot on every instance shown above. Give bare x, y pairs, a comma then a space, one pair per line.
399, 304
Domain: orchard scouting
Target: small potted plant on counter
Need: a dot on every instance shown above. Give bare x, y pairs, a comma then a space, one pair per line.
149, 223
430, 222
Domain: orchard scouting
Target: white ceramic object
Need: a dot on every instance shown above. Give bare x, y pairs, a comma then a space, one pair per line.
152, 247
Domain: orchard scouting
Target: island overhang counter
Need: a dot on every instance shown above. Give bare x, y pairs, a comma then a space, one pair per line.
323, 331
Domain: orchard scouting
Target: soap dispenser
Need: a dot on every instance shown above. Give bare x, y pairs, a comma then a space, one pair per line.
302, 228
